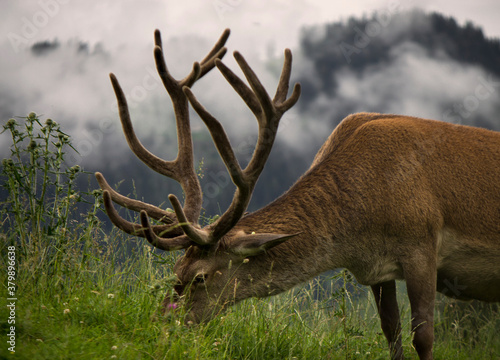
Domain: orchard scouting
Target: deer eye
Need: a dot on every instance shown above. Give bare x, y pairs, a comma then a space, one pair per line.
200, 279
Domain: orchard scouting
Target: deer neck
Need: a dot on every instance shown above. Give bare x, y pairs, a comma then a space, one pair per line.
310, 208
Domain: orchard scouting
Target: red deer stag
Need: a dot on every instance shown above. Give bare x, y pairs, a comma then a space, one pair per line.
388, 197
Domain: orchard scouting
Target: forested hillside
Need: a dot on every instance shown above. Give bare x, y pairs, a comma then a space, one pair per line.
360, 43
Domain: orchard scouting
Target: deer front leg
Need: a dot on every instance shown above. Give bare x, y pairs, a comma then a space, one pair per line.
387, 306
421, 286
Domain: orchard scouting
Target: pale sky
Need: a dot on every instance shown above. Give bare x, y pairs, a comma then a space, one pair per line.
261, 23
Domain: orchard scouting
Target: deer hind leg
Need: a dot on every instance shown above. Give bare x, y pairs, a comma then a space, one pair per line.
387, 306
421, 286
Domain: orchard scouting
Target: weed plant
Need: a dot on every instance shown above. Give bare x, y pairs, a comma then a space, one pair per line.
86, 293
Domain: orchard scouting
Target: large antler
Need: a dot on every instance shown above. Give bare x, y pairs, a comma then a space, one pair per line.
168, 236
268, 113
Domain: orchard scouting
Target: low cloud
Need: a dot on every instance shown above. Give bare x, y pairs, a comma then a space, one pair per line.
415, 84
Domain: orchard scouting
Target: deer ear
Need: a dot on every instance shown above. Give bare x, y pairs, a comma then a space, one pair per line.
254, 244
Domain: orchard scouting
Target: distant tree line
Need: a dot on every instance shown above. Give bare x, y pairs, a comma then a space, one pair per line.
359, 43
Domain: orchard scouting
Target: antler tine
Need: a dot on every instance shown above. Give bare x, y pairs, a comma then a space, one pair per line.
136, 205
155, 163
257, 87
138, 230
220, 139
172, 85
116, 219
158, 41
201, 237
217, 53
219, 45
280, 100
283, 84
241, 88
206, 67
178, 243
199, 69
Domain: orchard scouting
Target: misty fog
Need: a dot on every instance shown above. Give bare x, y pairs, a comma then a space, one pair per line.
68, 82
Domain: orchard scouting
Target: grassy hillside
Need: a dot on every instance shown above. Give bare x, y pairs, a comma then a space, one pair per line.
77, 292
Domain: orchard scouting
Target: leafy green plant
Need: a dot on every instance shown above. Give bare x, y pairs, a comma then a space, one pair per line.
39, 185
38, 211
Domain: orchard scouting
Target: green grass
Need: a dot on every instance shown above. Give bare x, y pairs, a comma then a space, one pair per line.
86, 293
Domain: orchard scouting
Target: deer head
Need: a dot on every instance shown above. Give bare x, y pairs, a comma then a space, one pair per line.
213, 273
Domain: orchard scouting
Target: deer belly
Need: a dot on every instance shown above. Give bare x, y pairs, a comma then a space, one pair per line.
466, 285
378, 272
469, 268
